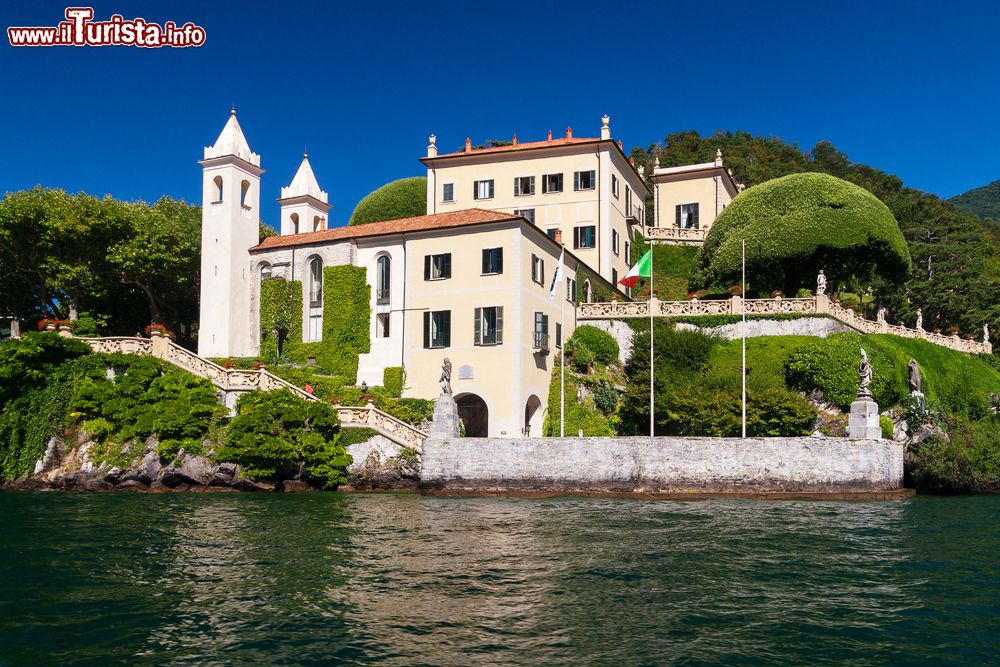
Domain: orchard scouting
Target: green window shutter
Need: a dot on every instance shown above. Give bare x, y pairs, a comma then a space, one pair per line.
427, 329
427, 267
694, 215
446, 317
477, 335
486, 261
576, 180
545, 324
499, 325
517, 186
677, 216
499, 266
541, 271
446, 266
531, 186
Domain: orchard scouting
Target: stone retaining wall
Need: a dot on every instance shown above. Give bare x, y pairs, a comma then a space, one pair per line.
820, 327
663, 464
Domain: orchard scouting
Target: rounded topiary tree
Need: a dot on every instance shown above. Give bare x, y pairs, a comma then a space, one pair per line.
796, 225
405, 198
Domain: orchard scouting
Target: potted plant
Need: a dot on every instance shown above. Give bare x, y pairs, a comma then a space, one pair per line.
936, 330
159, 330
952, 330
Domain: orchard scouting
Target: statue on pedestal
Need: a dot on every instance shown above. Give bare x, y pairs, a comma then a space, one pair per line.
446, 377
820, 284
914, 376
865, 376
920, 319
986, 333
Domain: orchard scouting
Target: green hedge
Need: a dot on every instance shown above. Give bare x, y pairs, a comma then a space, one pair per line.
404, 198
601, 343
393, 378
795, 225
585, 417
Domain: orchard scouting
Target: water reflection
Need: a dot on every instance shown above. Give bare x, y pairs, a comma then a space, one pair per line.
322, 578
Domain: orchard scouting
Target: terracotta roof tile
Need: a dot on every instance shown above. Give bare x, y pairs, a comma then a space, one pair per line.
560, 141
465, 217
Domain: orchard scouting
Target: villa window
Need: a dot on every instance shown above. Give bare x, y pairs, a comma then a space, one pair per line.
315, 281
483, 189
448, 192
295, 223
559, 335
628, 253
571, 290
588, 293
584, 180
686, 216
244, 191
489, 326
584, 237
524, 185
552, 183
437, 267
437, 329
614, 186
628, 200
265, 271
537, 269
317, 223
492, 261
382, 325
614, 241
218, 188
541, 332
526, 213
551, 233
383, 277
614, 276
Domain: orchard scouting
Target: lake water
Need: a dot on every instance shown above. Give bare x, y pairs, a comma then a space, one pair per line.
249, 579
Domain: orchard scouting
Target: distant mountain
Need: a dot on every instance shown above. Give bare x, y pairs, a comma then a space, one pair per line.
983, 202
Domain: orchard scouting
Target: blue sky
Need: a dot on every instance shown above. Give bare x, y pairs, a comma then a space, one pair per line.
908, 87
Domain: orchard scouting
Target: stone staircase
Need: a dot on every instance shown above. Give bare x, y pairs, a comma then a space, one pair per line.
233, 382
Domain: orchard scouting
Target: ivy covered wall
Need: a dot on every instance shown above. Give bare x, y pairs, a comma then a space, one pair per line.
346, 316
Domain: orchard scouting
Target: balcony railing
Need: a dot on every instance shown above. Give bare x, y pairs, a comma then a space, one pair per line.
676, 235
541, 341
381, 297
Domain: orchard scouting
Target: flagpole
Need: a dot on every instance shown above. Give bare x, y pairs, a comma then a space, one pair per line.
562, 370
652, 419
743, 335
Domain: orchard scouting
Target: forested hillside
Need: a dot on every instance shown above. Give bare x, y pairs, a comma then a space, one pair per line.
983, 202
956, 257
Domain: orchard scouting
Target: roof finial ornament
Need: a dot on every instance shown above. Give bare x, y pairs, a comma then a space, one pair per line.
550, 135
605, 128
432, 149
718, 157
232, 109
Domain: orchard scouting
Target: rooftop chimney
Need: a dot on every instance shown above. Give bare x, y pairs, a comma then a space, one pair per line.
558, 236
550, 135
605, 129
515, 139
620, 145
569, 132
468, 145
432, 149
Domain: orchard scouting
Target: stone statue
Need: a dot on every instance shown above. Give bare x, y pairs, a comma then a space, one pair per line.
994, 403
914, 376
881, 315
865, 376
446, 377
986, 333
920, 319
820, 284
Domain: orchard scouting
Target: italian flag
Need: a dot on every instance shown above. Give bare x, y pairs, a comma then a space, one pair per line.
641, 269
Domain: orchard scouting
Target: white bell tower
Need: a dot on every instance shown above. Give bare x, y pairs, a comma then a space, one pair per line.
230, 211
304, 206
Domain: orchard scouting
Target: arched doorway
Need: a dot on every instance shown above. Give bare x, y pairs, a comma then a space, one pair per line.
530, 410
474, 414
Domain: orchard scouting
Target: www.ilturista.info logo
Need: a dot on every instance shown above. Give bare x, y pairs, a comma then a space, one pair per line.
79, 29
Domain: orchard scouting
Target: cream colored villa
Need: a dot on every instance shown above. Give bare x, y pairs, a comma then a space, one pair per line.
469, 284
584, 187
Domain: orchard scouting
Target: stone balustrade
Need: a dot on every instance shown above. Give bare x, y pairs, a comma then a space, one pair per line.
235, 381
818, 305
674, 235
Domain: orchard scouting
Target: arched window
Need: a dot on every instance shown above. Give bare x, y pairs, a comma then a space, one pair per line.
218, 188
317, 223
315, 281
383, 279
588, 295
295, 223
244, 190
265, 271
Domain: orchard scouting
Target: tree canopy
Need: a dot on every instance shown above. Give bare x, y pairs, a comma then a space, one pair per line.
405, 198
983, 202
798, 224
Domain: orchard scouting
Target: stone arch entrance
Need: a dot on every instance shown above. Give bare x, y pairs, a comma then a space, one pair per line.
530, 410
474, 413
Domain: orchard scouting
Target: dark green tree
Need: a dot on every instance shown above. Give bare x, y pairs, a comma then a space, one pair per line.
405, 198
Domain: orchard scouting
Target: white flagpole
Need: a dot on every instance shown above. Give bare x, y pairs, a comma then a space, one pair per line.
652, 420
743, 335
562, 370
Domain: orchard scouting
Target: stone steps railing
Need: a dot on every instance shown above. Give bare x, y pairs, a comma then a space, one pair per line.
237, 381
817, 305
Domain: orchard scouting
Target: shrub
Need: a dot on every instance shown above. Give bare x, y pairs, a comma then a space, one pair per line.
393, 379
582, 357
27, 362
601, 343
404, 198
605, 398
830, 365
579, 417
274, 429
888, 428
